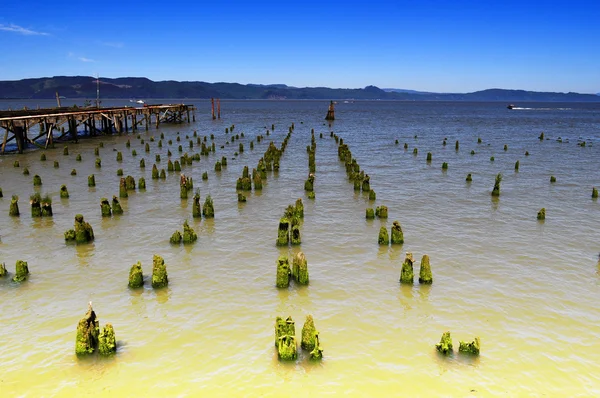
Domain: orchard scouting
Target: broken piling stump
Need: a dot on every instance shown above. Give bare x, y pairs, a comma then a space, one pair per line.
425, 276
88, 332
445, 344
407, 274
470, 348
159, 272
136, 277
283, 272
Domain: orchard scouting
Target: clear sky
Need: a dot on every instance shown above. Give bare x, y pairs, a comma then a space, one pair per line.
441, 46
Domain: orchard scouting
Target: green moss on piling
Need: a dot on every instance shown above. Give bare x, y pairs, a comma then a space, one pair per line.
496, 190
396, 233
37, 180
473, 347
21, 271
208, 210
107, 343
287, 349
469, 178
381, 211
122, 188
36, 206
88, 332
594, 193
295, 237
370, 214
309, 332
26, 171
189, 235
284, 327
425, 276
384, 238
300, 269
66, 151
407, 274
56, 164
283, 272
552, 179
445, 344
46, 205
159, 272
91, 181
119, 157
3, 271
541, 214
196, 207
83, 232
105, 207
176, 238
16, 164
116, 206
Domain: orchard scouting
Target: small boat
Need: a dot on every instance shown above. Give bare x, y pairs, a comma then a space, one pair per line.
510, 106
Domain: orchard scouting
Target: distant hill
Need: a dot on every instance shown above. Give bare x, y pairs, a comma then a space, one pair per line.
140, 87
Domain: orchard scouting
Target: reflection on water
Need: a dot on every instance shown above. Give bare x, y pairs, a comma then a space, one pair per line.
528, 289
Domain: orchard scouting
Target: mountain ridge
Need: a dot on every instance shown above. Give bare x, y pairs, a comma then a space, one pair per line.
142, 87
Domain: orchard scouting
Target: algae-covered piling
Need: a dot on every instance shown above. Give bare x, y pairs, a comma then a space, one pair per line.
384, 238
397, 235
470, 348
159, 272
425, 276
300, 269
136, 277
407, 273
82, 232
107, 343
88, 332
283, 272
496, 190
21, 271
445, 344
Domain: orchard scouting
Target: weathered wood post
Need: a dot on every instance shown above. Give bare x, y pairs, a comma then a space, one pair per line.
330, 112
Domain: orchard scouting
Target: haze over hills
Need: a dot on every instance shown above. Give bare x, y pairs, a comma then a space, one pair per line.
140, 87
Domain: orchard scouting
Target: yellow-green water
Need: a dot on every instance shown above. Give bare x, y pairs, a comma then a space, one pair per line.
528, 289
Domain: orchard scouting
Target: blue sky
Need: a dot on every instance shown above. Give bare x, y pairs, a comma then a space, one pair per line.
442, 46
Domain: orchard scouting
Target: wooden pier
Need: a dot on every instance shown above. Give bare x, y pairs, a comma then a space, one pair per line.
41, 127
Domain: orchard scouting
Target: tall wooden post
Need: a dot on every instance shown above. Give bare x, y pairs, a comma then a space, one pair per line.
330, 112
125, 117
18, 131
212, 107
219, 107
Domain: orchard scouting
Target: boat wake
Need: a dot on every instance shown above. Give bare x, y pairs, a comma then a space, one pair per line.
518, 108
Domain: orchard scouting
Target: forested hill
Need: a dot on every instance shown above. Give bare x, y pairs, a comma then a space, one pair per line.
140, 87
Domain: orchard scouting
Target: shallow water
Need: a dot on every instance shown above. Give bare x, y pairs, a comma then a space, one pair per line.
528, 289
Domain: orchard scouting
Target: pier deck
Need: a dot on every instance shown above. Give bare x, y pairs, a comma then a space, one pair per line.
58, 123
